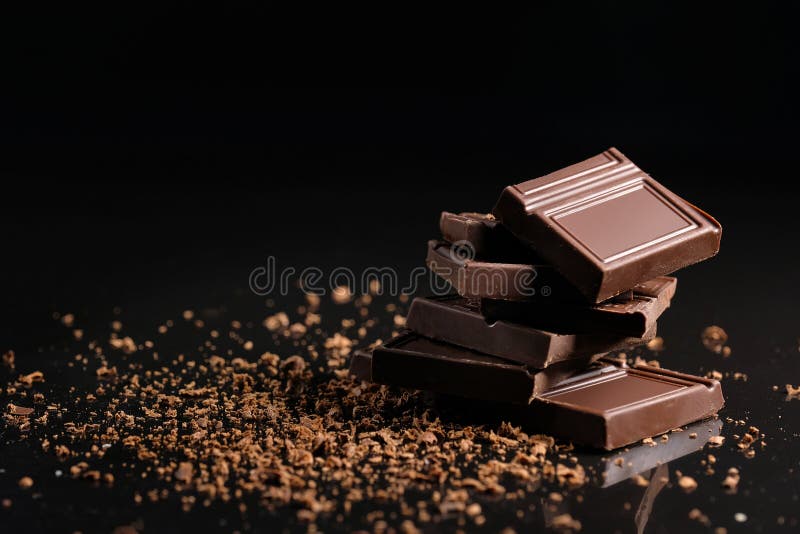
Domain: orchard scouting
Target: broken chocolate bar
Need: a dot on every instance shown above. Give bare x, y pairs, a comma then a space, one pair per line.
453, 320
631, 315
605, 406
486, 236
619, 406
361, 365
413, 361
497, 280
606, 225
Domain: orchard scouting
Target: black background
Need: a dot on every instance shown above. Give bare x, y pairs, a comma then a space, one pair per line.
179, 140
151, 158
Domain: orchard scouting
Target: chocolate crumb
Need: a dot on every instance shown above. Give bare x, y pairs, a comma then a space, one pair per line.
696, 515
13, 409
7, 359
341, 295
714, 339
32, 378
687, 483
276, 322
656, 344
731, 481
184, 472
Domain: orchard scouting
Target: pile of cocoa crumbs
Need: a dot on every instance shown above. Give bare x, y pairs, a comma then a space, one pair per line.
266, 411
269, 410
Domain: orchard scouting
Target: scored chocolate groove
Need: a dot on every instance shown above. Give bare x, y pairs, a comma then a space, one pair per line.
605, 405
606, 225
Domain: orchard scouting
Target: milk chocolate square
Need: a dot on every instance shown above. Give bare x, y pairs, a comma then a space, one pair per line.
606, 225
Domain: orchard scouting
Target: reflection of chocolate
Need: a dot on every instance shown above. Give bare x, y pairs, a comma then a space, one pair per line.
453, 320
641, 457
649, 461
658, 480
606, 225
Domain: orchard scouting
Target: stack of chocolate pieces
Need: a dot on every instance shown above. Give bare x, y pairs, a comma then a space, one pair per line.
568, 268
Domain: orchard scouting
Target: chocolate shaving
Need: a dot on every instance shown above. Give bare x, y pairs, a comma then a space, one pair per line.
13, 409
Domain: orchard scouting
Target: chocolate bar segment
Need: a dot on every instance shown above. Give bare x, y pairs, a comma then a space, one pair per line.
451, 319
604, 406
361, 365
486, 236
496, 280
630, 315
606, 225
416, 362
622, 406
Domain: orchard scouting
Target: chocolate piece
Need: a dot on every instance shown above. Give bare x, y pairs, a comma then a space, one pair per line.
497, 280
631, 315
642, 457
453, 320
616, 407
13, 409
486, 236
413, 361
361, 365
605, 406
606, 225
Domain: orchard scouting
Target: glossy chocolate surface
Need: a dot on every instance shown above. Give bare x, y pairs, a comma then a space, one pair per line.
605, 406
487, 237
453, 320
621, 406
416, 362
606, 225
473, 278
